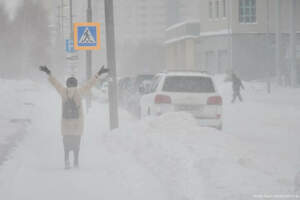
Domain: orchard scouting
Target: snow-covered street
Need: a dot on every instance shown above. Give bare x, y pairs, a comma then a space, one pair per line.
149, 99
168, 157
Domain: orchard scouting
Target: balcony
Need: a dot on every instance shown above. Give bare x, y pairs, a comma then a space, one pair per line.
184, 30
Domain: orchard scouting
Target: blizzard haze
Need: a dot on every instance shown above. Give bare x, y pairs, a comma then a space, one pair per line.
201, 100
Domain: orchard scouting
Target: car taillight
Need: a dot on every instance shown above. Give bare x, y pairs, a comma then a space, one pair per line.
214, 100
162, 99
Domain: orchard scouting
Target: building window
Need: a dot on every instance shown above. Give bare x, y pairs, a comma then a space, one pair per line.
217, 9
247, 11
210, 9
224, 8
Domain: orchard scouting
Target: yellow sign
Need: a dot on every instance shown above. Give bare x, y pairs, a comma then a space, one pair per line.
87, 36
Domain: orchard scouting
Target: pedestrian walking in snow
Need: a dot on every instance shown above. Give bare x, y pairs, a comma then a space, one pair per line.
72, 123
236, 87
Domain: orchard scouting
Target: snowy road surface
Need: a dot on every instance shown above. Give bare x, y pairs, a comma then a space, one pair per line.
169, 157
16, 105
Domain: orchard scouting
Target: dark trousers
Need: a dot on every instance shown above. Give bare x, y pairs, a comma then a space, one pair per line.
72, 143
235, 95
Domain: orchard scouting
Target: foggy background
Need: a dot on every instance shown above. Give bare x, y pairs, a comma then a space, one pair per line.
43, 26
160, 150
151, 36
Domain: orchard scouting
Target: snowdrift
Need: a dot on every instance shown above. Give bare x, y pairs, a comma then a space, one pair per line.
16, 104
192, 161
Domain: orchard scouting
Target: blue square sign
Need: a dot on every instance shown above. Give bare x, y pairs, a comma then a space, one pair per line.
70, 46
87, 36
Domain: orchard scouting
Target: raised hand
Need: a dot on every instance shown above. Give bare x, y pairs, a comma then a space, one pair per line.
102, 70
45, 69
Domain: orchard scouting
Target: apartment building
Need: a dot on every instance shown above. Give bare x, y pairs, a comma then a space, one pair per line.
239, 35
242, 32
182, 10
181, 45
147, 19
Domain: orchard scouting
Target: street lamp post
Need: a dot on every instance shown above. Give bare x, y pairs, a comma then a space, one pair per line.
111, 63
293, 72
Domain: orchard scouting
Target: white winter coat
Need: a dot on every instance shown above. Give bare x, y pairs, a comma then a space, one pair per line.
73, 126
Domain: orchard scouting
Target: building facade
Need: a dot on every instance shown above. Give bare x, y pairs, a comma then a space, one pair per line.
240, 36
243, 32
181, 45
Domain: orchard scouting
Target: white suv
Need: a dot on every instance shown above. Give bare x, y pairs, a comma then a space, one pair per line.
193, 92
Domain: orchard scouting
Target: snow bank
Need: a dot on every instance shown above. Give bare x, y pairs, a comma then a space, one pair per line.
268, 125
16, 98
16, 104
192, 162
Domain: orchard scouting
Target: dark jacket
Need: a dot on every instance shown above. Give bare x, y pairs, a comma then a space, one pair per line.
236, 84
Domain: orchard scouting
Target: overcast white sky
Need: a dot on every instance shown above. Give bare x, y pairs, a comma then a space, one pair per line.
10, 5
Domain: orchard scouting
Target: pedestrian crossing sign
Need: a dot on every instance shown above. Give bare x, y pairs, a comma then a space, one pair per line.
87, 36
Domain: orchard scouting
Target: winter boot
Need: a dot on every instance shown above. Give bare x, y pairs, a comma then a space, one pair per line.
76, 155
76, 165
67, 165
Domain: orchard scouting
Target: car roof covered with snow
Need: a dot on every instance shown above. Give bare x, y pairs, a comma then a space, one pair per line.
186, 73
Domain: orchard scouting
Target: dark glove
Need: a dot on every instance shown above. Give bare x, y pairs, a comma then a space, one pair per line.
45, 69
102, 71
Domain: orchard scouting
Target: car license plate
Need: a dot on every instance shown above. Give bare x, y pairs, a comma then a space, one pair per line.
190, 108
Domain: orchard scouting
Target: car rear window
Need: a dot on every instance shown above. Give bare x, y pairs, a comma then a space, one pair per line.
189, 84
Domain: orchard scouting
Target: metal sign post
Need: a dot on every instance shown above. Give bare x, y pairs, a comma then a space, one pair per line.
72, 68
89, 55
111, 63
